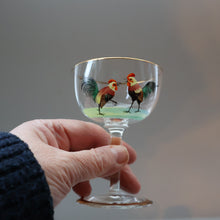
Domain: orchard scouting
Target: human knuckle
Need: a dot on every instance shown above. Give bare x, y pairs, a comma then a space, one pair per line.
99, 161
79, 169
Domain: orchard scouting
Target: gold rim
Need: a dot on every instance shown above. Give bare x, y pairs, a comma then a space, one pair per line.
126, 58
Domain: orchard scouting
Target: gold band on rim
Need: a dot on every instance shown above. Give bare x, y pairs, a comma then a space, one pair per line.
126, 58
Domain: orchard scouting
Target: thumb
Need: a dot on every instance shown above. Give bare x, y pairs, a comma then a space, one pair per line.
97, 162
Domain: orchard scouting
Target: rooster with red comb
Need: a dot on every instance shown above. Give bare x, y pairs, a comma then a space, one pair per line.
136, 92
102, 96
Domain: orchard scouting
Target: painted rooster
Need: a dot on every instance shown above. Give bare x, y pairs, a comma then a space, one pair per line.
102, 96
136, 92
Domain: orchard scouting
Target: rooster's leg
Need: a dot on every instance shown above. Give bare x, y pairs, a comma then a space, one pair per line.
114, 102
99, 111
138, 107
130, 107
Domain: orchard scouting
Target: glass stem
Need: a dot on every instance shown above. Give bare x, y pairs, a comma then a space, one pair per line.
116, 139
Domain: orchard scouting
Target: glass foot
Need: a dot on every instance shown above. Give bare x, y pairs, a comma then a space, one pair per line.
121, 201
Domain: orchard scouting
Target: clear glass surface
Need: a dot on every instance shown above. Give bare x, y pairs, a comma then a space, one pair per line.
117, 92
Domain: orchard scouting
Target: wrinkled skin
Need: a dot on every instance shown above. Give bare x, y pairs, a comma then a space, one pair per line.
72, 152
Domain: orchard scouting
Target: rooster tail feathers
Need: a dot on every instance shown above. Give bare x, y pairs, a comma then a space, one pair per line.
149, 88
90, 87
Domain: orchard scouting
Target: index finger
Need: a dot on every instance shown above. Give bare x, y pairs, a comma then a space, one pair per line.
76, 135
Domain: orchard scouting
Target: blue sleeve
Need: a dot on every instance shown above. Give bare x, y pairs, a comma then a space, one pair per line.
24, 192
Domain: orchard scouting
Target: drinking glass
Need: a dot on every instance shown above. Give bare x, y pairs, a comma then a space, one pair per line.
117, 92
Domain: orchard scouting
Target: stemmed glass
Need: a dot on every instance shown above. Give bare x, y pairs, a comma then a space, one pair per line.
117, 92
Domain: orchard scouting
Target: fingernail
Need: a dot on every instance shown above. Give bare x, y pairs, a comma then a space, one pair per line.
121, 153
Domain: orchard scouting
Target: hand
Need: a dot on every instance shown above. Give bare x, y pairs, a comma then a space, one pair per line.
72, 152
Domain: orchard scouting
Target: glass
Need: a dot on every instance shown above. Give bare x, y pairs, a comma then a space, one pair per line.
117, 92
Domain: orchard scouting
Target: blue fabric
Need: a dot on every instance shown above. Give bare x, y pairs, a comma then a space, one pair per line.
24, 192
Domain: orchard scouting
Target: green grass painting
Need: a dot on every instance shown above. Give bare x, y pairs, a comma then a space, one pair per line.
115, 112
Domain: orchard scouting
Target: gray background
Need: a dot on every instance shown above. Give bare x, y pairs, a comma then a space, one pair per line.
178, 145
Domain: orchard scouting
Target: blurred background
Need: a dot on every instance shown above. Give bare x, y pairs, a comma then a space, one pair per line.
178, 145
